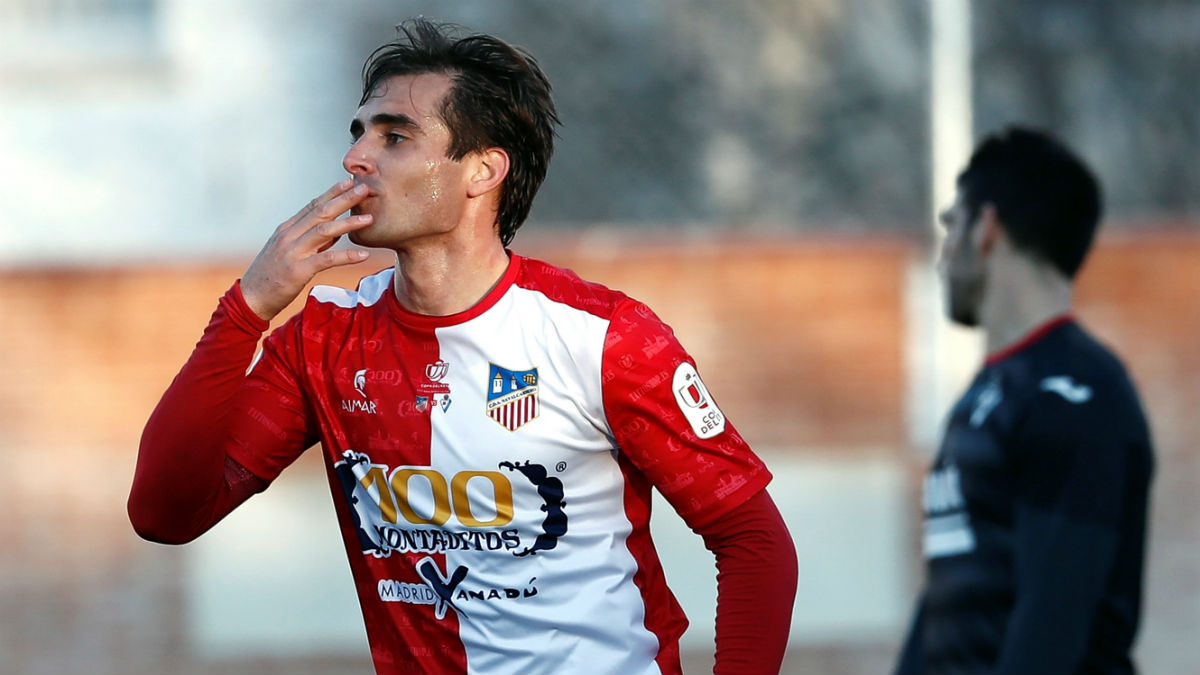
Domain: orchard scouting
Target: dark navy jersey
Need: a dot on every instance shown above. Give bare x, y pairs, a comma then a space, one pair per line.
1035, 516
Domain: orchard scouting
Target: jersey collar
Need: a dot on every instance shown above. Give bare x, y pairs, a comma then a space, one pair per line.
488, 301
1032, 337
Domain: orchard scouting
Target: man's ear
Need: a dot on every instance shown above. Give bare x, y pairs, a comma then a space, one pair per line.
989, 230
491, 168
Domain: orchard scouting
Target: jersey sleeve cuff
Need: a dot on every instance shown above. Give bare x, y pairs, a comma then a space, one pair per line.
240, 312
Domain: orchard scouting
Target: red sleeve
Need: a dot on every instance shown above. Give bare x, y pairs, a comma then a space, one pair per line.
271, 422
756, 586
184, 482
667, 423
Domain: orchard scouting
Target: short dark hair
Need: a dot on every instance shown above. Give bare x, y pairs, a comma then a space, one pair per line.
499, 98
1046, 197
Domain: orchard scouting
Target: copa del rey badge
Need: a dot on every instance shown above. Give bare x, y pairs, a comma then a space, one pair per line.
697, 405
512, 398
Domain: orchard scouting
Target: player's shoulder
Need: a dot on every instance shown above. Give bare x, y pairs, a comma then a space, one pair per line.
1071, 368
562, 285
1075, 351
1076, 387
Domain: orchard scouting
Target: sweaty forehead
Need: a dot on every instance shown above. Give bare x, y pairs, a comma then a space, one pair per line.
419, 96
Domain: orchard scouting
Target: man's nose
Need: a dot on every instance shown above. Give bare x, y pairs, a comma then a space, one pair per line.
943, 256
356, 161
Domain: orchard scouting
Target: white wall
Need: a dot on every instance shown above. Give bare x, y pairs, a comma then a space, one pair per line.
184, 129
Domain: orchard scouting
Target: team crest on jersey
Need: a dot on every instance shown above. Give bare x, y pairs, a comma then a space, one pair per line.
698, 406
512, 398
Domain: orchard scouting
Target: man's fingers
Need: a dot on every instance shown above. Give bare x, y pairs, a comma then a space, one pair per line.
301, 247
336, 189
337, 258
327, 232
337, 205
324, 247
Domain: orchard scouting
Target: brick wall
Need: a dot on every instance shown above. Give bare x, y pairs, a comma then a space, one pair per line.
800, 340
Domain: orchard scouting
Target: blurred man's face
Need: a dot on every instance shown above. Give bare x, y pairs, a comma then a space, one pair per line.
962, 268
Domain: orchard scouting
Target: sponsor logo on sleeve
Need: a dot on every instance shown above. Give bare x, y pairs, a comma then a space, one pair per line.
1066, 387
698, 407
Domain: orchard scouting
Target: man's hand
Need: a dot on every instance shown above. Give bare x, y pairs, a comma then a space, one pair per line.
300, 248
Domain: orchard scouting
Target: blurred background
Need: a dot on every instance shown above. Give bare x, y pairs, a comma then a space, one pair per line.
763, 173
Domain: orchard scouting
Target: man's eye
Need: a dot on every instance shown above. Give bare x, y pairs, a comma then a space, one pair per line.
393, 138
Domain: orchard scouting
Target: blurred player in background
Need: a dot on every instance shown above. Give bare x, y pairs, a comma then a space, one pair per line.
1035, 507
492, 425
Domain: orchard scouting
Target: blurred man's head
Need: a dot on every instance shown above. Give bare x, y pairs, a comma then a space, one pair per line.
1046, 201
1046, 198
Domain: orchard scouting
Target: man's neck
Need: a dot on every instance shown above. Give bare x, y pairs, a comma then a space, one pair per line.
1022, 295
438, 279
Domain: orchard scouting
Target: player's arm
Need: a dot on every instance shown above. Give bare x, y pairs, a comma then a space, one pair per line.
695, 457
912, 655
1070, 473
220, 435
756, 585
185, 480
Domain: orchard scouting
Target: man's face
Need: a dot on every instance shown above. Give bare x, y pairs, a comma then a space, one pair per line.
962, 269
399, 153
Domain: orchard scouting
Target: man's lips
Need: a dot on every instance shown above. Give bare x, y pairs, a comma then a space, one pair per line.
363, 205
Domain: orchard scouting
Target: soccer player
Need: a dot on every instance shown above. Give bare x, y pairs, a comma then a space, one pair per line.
1035, 507
492, 425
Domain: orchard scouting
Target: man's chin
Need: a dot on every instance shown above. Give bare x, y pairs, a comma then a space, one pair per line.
962, 301
960, 312
362, 238
963, 316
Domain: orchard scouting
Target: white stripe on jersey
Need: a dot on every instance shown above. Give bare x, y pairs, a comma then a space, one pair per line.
588, 610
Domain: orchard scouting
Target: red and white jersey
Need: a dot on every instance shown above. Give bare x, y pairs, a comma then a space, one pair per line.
492, 469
